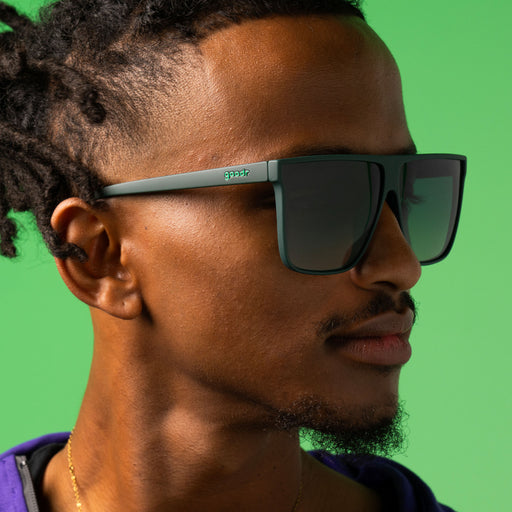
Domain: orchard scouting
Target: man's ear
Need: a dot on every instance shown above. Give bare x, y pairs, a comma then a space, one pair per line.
103, 281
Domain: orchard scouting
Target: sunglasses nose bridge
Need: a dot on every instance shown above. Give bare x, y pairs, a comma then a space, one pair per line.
391, 194
393, 202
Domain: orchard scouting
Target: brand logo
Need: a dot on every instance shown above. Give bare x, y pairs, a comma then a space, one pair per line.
236, 174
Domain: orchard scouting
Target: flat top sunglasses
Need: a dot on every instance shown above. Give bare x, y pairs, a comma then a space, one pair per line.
328, 206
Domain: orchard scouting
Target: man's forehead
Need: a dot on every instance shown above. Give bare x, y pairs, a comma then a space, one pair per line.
284, 46
267, 76
291, 34
257, 90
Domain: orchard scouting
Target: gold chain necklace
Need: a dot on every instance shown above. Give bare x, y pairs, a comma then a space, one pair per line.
74, 483
71, 469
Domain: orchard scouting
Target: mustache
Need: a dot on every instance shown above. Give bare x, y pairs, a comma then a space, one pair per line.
381, 303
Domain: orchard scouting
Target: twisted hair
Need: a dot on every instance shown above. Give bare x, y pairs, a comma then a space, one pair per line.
74, 86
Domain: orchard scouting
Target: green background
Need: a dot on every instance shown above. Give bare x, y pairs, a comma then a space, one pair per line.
456, 67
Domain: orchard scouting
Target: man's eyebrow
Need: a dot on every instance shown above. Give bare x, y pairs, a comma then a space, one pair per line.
338, 150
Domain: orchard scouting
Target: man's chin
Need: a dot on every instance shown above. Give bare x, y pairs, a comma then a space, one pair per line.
357, 430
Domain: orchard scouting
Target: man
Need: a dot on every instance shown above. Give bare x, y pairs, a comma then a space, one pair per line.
216, 340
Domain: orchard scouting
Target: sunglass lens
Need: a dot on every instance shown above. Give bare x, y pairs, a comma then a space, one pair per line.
430, 205
329, 208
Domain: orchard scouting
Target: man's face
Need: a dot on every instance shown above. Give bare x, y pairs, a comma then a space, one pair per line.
230, 324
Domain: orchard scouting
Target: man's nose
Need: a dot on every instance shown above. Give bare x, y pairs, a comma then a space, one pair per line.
389, 262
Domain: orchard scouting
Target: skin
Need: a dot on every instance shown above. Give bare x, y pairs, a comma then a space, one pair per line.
201, 333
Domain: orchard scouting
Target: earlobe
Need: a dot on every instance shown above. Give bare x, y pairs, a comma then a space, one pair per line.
103, 281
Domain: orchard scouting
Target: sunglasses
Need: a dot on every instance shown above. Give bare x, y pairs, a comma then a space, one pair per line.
328, 206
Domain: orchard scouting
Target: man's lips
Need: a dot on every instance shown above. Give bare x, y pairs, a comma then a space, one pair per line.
382, 340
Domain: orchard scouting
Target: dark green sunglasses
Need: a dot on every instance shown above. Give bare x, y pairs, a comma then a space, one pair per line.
328, 206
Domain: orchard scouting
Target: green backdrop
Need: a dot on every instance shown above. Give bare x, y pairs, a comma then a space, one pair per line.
456, 67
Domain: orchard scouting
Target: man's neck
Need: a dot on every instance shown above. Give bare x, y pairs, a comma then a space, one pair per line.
137, 447
147, 440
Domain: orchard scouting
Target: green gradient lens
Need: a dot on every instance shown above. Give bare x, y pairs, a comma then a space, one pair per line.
329, 210
430, 205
